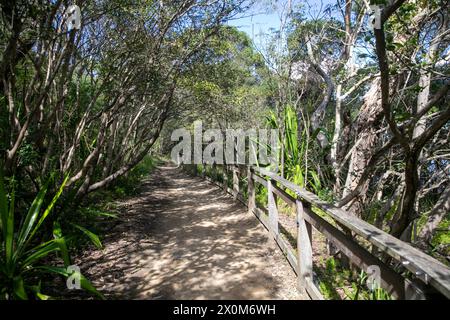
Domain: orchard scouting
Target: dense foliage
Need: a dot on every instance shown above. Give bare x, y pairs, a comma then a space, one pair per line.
363, 113
84, 106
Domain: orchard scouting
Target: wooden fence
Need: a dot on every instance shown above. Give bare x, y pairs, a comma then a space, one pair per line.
426, 277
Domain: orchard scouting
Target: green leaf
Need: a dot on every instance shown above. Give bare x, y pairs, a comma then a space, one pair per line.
36, 289
3, 200
41, 251
19, 288
316, 181
50, 207
30, 219
64, 251
94, 238
41, 296
291, 135
57, 232
87, 285
298, 176
84, 283
9, 231
106, 214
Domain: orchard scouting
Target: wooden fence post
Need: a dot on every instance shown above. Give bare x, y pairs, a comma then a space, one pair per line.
304, 249
273, 210
251, 192
225, 178
235, 182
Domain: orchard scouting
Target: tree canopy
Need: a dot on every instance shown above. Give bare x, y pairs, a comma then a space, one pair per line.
363, 111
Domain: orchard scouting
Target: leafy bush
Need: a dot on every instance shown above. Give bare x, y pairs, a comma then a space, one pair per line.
129, 183
20, 253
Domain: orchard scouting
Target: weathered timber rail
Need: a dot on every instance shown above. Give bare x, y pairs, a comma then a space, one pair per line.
427, 278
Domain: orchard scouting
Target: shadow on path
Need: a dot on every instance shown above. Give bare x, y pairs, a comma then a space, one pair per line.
184, 238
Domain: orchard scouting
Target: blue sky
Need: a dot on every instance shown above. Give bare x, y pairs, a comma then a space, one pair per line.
262, 18
253, 25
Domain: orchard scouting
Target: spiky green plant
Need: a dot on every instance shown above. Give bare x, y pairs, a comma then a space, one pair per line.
294, 151
21, 253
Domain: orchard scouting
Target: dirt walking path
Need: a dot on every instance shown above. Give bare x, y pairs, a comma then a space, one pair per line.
184, 238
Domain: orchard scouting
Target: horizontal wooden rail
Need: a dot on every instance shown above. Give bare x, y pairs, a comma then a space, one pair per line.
424, 267
426, 272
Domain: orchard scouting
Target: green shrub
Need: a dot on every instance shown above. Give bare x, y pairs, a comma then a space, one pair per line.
20, 253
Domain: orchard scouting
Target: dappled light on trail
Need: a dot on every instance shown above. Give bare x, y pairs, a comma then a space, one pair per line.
184, 238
